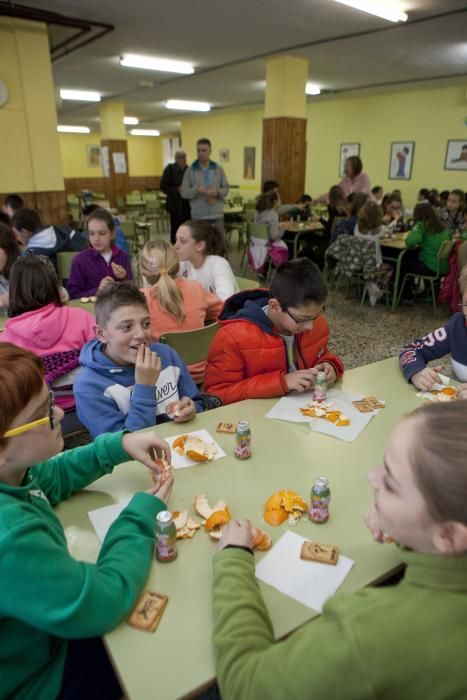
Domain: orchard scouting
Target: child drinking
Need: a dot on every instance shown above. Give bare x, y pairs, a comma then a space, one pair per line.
102, 262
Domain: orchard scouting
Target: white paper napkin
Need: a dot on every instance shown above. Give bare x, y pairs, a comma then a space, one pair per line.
182, 461
310, 583
288, 408
445, 381
102, 518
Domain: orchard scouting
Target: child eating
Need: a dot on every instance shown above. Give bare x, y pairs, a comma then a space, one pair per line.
53, 608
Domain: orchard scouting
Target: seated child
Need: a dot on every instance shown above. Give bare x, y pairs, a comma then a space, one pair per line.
427, 236
452, 215
175, 304
356, 202
45, 240
451, 338
126, 381
40, 322
120, 238
54, 608
273, 341
9, 252
267, 213
102, 262
393, 211
378, 642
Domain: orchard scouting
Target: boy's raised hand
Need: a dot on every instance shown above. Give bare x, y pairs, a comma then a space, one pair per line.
328, 370
425, 379
181, 411
300, 380
147, 366
140, 445
162, 491
237, 532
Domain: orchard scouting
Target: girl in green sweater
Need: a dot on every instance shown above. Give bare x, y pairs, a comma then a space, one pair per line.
406, 641
427, 237
46, 596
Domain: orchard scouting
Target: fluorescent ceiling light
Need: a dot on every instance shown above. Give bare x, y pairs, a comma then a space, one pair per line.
73, 129
188, 105
145, 132
83, 95
387, 9
312, 89
130, 120
132, 60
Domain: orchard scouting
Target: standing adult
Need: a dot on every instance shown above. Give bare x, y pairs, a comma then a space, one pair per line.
355, 180
206, 186
171, 184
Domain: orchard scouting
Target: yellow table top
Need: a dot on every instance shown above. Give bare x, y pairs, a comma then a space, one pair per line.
304, 226
233, 210
86, 305
397, 241
177, 658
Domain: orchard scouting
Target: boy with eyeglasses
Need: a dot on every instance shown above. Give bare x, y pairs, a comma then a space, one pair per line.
273, 341
53, 608
451, 338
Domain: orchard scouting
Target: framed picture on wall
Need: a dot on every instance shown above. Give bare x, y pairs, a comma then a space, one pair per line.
456, 155
249, 156
224, 155
347, 150
401, 160
94, 156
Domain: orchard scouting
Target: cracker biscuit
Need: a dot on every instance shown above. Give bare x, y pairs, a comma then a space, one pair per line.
324, 553
148, 611
373, 402
363, 406
228, 428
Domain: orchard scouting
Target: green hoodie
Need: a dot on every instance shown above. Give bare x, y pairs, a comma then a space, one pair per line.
404, 642
46, 596
429, 243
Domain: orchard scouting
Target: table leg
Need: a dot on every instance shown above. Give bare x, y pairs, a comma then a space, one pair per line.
395, 288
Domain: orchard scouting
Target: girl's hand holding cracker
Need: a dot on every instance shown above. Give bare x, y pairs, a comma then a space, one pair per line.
147, 366
425, 379
181, 411
236, 532
119, 271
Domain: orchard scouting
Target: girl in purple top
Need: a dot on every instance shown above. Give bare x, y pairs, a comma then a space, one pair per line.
102, 262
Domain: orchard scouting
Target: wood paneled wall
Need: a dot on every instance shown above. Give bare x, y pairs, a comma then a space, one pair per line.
284, 155
52, 206
75, 185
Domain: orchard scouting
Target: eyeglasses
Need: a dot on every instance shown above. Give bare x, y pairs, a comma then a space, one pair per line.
307, 319
50, 418
461, 305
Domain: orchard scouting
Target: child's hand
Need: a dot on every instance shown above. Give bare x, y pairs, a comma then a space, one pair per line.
236, 532
300, 380
202, 190
104, 282
119, 271
462, 391
162, 491
181, 411
425, 379
139, 446
147, 367
328, 370
371, 521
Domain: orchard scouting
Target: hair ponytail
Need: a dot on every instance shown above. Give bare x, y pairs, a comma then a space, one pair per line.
159, 263
203, 231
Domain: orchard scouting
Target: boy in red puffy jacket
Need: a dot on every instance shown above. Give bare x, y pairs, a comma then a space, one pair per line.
273, 341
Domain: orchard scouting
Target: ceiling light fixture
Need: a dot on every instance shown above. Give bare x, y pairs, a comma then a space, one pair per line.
312, 89
130, 120
386, 9
188, 105
145, 132
84, 95
168, 65
73, 129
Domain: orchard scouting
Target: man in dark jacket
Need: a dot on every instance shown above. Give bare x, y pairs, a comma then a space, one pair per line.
178, 208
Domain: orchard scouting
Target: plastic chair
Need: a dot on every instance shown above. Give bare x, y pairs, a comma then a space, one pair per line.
191, 346
64, 265
443, 254
129, 229
244, 283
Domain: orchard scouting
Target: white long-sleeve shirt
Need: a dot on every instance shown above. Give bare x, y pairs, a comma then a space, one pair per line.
215, 275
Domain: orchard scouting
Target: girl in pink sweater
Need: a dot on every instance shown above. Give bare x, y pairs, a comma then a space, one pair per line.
39, 322
175, 304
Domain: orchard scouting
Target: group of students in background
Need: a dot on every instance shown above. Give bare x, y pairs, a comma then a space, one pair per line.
122, 379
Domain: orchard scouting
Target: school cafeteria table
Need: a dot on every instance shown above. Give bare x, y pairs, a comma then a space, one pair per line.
3, 317
177, 659
86, 305
394, 250
302, 228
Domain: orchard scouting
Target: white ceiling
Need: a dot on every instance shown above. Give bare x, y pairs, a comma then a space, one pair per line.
227, 42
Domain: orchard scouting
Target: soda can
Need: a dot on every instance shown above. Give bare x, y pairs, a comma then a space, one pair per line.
166, 537
320, 498
321, 387
243, 440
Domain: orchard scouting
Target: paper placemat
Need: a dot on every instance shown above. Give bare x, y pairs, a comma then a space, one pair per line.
102, 518
288, 408
182, 461
310, 583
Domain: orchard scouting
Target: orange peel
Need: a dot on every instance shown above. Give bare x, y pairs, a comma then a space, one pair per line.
283, 504
195, 448
218, 518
